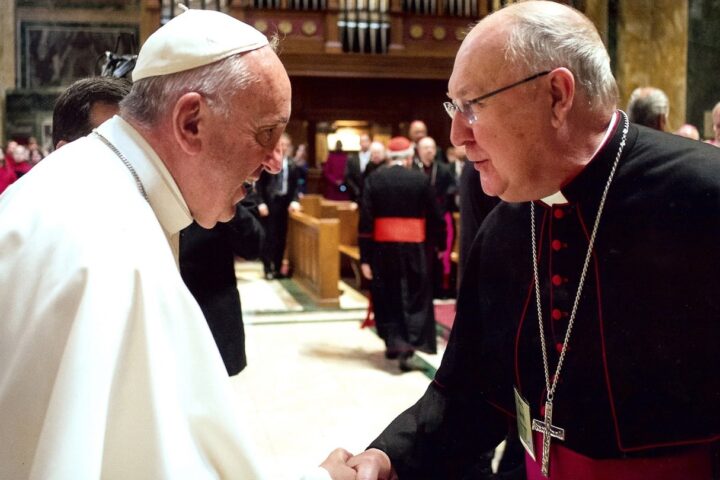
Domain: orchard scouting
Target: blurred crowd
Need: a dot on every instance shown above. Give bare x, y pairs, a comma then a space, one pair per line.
18, 159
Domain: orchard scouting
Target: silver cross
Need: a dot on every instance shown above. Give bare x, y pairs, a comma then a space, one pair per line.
549, 431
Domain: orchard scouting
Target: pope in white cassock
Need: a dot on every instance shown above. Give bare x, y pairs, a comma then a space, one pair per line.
108, 367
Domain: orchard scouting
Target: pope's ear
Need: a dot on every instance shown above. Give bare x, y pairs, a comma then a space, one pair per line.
187, 114
562, 90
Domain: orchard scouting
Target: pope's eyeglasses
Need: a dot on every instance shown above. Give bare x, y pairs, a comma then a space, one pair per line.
465, 108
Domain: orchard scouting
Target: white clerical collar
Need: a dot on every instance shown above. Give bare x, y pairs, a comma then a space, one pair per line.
163, 193
554, 199
557, 197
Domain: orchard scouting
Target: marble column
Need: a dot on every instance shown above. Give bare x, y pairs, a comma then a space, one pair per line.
652, 50
7, 58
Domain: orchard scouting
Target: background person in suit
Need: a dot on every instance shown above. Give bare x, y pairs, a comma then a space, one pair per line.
355, 169
279, 196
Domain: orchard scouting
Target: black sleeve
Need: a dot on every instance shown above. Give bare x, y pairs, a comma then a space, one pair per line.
244, 233
442, 436
262, 187
436, 227
294, 177
350, 179
475, 205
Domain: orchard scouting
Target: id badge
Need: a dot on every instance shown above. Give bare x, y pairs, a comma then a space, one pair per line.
524, 423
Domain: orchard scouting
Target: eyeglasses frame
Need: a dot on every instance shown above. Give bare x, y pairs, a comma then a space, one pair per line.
451, 108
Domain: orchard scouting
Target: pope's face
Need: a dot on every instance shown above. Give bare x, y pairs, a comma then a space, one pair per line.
245, 142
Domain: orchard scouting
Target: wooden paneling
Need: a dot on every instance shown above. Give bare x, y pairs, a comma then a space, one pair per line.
391, 102
313, 252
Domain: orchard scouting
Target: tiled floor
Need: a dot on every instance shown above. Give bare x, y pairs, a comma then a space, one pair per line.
315, 380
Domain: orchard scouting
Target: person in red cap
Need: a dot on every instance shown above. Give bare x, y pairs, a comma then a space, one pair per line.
398, 216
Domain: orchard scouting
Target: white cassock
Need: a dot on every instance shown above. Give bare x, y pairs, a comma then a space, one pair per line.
107, 366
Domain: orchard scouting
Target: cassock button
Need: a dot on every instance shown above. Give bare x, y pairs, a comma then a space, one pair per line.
556, 245
558, 347
557, 280
556, 314
559, 214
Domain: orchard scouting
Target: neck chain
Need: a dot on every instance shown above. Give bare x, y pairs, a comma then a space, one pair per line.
125, 161
550, 388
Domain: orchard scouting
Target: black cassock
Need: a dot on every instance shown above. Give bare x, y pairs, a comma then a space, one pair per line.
207, 265
641, 375
401, 288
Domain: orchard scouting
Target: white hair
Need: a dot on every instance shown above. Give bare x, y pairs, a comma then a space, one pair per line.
544, 38
646, 104
152, 97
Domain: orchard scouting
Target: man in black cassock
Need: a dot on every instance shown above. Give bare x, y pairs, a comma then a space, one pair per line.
398, 216
589, 313
207, 266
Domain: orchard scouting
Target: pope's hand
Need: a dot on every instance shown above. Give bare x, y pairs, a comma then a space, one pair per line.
336, 465
372, 464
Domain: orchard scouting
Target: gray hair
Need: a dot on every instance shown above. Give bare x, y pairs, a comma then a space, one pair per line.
152, 97
646, 105
541, 40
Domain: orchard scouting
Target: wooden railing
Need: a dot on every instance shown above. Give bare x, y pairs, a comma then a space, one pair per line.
348, 216
312, 251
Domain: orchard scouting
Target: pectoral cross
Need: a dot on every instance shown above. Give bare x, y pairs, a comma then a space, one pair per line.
548, 431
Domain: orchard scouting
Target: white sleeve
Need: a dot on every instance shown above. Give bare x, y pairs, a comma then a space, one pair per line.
317, 473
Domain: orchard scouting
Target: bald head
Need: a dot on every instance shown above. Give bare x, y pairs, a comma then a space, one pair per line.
536, 93
426, 149
377, 152
688, 131
536, 36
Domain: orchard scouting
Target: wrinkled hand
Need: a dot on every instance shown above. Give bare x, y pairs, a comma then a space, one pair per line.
263, 210
366, 270
372, 464
336, 465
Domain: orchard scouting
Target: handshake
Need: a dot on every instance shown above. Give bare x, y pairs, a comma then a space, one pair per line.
372, 464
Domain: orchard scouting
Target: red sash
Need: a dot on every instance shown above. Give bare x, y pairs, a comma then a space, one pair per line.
568, 465
399, 229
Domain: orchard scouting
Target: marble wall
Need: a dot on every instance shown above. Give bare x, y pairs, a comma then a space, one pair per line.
652, 50
41, 52
7, 57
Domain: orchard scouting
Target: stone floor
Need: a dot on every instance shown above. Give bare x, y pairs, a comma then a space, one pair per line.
315, 379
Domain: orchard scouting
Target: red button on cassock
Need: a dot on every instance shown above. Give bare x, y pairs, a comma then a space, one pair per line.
556, 280
558, 347
556, 245
559, 213
556, 314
